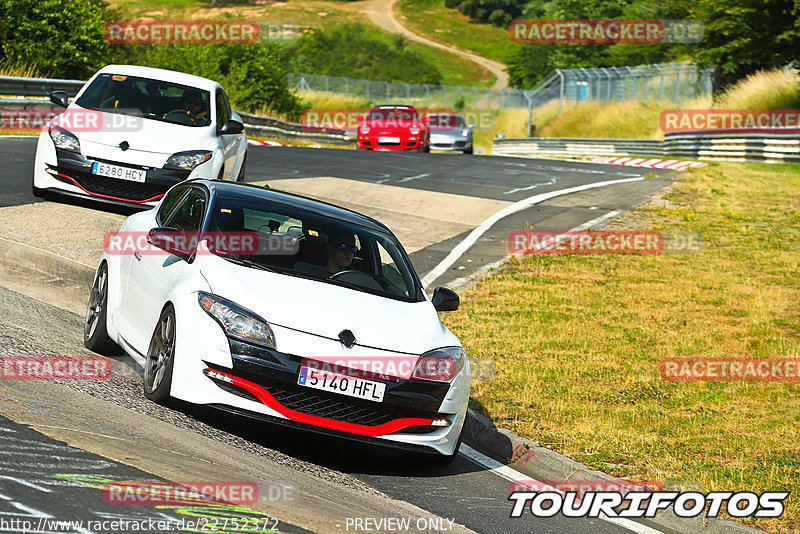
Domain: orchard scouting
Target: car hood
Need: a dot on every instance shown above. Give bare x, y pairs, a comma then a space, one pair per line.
393, 126
323, 309
149, 135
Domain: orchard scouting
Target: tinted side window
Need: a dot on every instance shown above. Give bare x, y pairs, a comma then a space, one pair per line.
223, 109
170, 200
189, 214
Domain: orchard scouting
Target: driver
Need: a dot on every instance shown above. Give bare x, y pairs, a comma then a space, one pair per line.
193, 102
341, 250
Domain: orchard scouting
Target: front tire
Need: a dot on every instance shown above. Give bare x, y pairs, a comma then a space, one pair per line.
161, 359
95, 334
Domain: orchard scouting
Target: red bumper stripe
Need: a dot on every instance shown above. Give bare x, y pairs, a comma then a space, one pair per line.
107, 196
364, 430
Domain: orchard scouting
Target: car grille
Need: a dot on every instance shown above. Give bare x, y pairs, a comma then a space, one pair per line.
322, 405
123, 189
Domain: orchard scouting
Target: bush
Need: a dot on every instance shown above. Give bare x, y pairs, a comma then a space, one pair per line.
62, 38
350, 50
254, 76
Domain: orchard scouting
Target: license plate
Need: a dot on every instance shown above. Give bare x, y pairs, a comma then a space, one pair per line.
342, 384
115, 171
388, 140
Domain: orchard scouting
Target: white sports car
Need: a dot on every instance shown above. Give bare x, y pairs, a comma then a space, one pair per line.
333, 333
133, 132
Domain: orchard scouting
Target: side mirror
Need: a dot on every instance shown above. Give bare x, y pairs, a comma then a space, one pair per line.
360, 118
471, 126
426, 119
231, 127
169, 240
59, 98
445, 299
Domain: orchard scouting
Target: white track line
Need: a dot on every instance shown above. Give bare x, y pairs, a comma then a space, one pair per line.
473, 236
512, 475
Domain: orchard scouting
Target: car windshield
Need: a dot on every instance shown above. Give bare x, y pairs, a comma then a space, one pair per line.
305, 244
393, 114
152, 99
445, 122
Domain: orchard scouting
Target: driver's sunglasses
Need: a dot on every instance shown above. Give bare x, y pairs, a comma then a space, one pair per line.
345, 246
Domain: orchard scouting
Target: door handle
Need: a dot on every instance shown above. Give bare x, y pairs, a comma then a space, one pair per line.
137, 256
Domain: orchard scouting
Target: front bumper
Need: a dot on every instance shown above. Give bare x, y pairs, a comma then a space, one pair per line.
371, 143
450, 143
75, 170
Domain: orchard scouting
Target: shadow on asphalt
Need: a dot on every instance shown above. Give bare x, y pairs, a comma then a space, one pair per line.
340, 454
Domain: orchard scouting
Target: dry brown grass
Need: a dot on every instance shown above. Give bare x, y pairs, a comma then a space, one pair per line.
577, 341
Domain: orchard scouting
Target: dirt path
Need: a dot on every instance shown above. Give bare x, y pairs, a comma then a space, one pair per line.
380, 13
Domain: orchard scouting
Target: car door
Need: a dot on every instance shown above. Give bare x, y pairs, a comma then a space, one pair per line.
152, 275
229, 143
128, 259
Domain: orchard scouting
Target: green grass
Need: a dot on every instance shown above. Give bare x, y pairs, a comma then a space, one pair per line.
311, 14
433, 20
577, 341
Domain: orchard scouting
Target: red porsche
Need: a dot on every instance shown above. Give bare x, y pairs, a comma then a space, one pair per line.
393, 127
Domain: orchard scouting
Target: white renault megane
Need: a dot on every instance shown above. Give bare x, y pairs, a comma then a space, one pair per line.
133, 132
332, 333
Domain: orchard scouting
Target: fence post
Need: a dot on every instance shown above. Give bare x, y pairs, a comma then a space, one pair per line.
366, 88
346, 82
326, 83
408, 91
677, 84
561, 96
388, 93
661, 73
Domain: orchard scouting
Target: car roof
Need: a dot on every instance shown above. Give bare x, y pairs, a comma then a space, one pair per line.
162, 75
244, 191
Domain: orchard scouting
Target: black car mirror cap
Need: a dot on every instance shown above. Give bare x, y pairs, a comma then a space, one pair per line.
59, 98
445, 299
231, 127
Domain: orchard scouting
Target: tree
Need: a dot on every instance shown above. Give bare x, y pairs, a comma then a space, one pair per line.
63, 38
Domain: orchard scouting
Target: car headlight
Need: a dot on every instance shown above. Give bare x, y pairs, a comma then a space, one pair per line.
364, 129
465, 132
64, 139
441, 364
236, 321
414, 130
186, 161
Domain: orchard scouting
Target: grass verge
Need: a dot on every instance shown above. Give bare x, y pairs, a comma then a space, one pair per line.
577, 341
312, 14
433, 20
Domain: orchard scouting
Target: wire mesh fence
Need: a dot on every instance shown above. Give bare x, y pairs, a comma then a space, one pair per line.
672, 81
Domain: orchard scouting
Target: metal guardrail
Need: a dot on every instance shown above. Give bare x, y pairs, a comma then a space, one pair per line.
26, 93
771, 147
562, 146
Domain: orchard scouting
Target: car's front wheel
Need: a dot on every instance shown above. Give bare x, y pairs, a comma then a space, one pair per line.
160, 359
95, 335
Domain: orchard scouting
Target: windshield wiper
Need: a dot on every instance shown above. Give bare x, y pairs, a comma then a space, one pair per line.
249, 263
